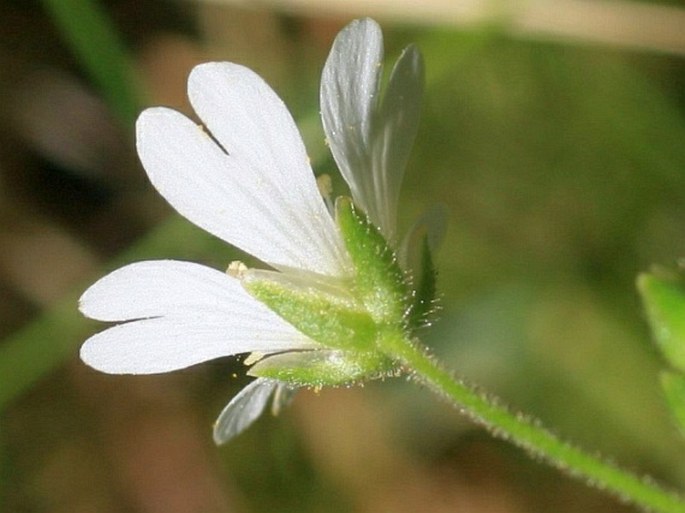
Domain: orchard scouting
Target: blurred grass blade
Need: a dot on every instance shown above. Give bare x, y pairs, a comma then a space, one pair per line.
88, 31
664, 300
673, 385
32, 352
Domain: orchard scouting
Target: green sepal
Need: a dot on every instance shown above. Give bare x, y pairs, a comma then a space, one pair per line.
334, 320
423, 303
378, 281
322, 368
673, 385
663, 295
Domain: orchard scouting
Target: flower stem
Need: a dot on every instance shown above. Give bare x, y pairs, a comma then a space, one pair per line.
528, 434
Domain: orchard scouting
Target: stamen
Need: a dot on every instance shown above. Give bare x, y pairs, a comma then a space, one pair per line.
325, 185
236, 269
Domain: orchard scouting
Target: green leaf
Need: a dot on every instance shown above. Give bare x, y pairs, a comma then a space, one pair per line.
673, 385
664, 299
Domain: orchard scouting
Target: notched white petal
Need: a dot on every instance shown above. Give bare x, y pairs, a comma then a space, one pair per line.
165, 344
273, 213
162, 287
181, 314
252, 123
250, 120
243, 409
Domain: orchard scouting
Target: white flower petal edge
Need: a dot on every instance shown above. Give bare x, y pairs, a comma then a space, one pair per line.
256, 191
370, 137
348, 97
395, 132
226, 96
180, 314
243, 409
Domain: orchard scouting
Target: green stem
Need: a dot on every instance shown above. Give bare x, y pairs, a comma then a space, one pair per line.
528, 434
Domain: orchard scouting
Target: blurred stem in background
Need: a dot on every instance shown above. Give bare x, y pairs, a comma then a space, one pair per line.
629, 24
96, 43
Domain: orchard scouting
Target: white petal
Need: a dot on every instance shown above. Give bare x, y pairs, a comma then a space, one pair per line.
370, 137
165, 344
283, 396
186, 314
251, 122
165, 287
243, 409
394, 133
269, 213
349, 96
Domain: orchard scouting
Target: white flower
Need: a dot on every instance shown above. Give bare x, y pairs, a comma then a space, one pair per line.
250, 184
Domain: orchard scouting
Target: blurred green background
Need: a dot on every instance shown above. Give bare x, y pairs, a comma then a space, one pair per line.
560, 156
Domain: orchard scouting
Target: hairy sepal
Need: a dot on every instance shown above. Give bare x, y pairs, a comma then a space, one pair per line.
379, 282
424, 301
324, 312
323, 368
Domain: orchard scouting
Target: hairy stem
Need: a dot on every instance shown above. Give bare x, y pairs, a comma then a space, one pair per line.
527, 433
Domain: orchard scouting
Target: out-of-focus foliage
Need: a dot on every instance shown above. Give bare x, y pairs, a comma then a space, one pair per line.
664, 299
674, 389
